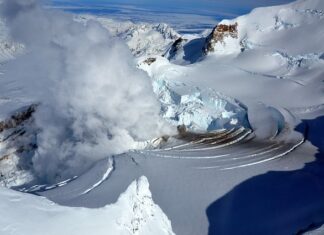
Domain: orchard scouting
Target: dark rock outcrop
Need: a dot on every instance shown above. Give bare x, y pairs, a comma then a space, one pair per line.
219, 33
175, 48
149, 61
18, 137
18, 118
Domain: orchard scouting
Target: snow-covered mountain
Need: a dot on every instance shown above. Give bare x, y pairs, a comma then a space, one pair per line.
268, 29
273, 28
143, 39
238, 96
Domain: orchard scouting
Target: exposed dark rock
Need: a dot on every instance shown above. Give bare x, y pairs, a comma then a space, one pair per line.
175, 48
149, 61
18, 118
18, 137
219, 33
322, 57
182, 130
5, 157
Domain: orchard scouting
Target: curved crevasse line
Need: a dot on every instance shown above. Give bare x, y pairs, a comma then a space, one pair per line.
257, 162
178, 147
226, 144
212, 149
110, 168
43, 187
235, 155
189, 158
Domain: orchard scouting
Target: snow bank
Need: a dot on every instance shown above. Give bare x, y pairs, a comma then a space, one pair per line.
134, 213
94, 101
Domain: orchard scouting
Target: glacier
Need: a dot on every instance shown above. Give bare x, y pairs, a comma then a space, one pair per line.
199, 110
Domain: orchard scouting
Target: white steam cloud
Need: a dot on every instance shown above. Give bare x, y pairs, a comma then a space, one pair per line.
94, 102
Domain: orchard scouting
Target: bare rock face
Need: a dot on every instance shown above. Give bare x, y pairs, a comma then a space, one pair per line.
18, 118
149, 61
219, 33
175, 48
17, 146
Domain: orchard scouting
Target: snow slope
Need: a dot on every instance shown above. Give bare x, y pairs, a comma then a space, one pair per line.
274, 27
279, 59
133, 213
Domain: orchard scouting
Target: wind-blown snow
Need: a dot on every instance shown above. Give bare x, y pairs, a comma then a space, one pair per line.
94, 102
134, 213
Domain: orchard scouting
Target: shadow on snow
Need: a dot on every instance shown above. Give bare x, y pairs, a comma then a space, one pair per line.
276, 203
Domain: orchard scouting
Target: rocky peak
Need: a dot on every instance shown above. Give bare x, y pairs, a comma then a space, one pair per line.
166, 31
218, 35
